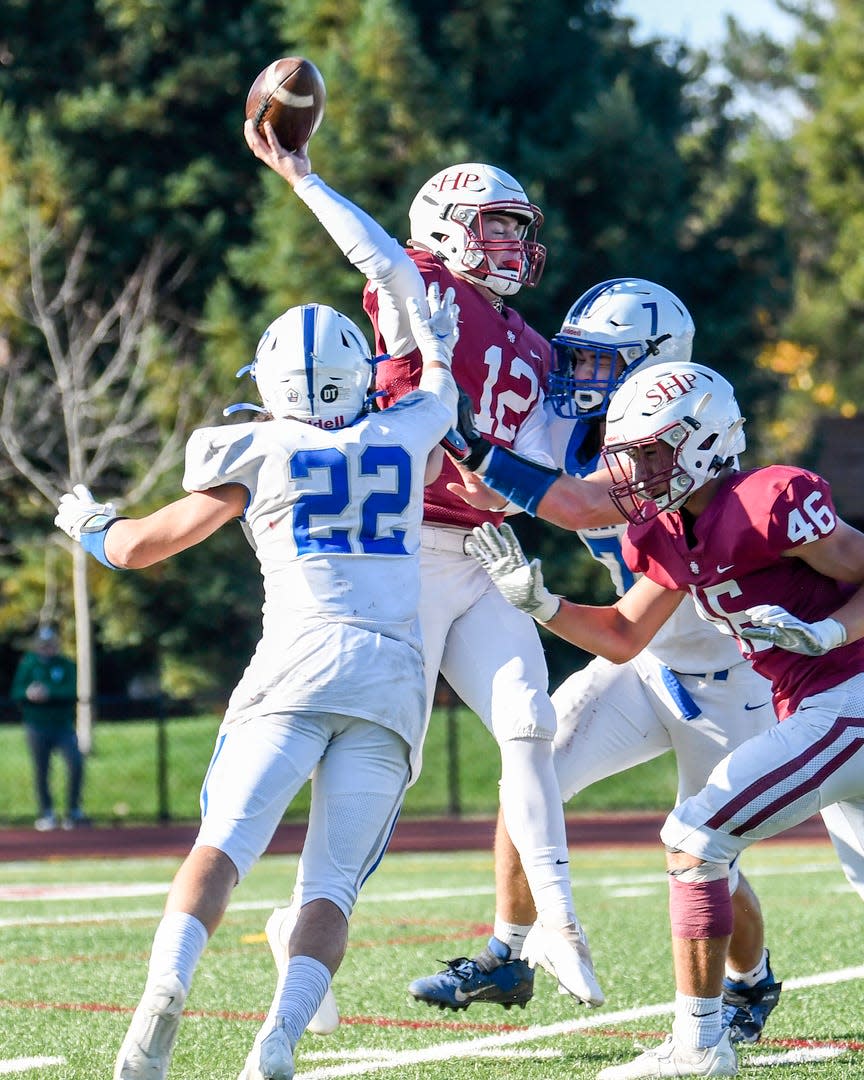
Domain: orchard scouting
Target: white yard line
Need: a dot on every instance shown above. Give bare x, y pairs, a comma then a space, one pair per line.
620, 887
20, 1065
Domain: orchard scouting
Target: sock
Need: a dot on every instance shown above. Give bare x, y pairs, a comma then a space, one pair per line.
531, 803
697, 1021
750, 978
177, 946
511, 935
299, 992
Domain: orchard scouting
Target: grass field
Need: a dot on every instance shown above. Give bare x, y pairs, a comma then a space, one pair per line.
74, 937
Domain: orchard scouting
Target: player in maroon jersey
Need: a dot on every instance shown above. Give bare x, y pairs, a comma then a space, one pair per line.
766, 558
473, 229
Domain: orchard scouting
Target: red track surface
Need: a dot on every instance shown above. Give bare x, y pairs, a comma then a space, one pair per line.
440, 834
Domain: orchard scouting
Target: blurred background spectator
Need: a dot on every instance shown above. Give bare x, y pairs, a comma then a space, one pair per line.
44, 689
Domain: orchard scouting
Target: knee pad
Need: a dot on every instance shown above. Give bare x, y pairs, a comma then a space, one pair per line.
700, 904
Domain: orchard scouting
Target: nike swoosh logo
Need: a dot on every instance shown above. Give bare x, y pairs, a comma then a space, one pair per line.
750, 708
723, 569
561, 862
461, 995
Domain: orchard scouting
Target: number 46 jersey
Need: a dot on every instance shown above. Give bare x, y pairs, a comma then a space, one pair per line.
739, 557
334, 518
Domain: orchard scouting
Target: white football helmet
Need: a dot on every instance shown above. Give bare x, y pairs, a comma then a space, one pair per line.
446, 218
628, 323
314, 364
669, 430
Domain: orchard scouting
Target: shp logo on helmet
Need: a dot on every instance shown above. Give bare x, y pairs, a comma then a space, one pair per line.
458, 181
668, 388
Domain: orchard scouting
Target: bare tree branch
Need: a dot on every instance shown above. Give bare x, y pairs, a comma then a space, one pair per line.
89, 398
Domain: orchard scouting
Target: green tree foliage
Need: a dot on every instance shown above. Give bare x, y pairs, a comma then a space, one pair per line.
810, 182
146, 102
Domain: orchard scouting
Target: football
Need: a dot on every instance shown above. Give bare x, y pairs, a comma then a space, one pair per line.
290, 93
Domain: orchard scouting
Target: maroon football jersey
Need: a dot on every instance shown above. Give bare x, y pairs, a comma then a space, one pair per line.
737, 562
499, 361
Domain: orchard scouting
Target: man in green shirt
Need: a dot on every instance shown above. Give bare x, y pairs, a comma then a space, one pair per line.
44, 688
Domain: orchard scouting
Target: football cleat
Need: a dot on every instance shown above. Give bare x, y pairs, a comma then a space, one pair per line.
746, 1008
278, 929
566, 956
671, 1060
491, 977
146, 1050
271, 1056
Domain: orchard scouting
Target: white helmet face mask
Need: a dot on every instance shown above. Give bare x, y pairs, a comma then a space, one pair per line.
447, 218
314, 364
612, 331
669, 430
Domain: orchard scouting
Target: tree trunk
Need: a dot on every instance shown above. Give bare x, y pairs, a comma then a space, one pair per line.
83, 648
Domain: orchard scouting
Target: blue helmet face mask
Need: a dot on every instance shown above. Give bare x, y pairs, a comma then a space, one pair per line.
312, 364
612, 331
583, 376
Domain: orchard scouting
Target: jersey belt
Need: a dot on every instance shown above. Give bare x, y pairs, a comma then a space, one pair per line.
440, 539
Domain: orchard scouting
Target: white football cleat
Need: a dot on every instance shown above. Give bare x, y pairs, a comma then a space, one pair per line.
566, 956
146, 1050
271, 1056
671, 1060
278, 929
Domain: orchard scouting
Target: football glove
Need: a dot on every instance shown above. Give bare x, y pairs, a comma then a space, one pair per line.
518, 581
436, 334
78, 512
775, 625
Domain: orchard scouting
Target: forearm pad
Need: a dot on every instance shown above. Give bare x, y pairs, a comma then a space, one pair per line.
523, 482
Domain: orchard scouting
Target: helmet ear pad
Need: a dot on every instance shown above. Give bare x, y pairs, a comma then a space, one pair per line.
447, 215
314, 364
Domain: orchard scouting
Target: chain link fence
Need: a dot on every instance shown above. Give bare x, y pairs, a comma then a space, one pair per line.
149, 757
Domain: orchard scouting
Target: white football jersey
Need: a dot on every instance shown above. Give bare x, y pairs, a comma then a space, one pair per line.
334, 518
686, 642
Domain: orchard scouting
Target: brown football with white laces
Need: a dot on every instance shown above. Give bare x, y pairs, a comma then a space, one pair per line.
290, 93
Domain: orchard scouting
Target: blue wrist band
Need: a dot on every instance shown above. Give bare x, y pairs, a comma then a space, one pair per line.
523, 482
94, 544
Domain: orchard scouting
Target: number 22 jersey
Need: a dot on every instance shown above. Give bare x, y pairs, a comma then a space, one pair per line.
334, 518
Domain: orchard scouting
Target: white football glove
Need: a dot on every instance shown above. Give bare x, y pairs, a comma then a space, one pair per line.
774, 624
436, 334
518, 581
78, 512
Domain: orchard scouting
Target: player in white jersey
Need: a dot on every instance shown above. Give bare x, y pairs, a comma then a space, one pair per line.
330, 496
690, 691
736, 543
472, 230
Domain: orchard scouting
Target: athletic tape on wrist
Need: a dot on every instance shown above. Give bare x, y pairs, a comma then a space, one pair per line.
94, 544
521, 481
